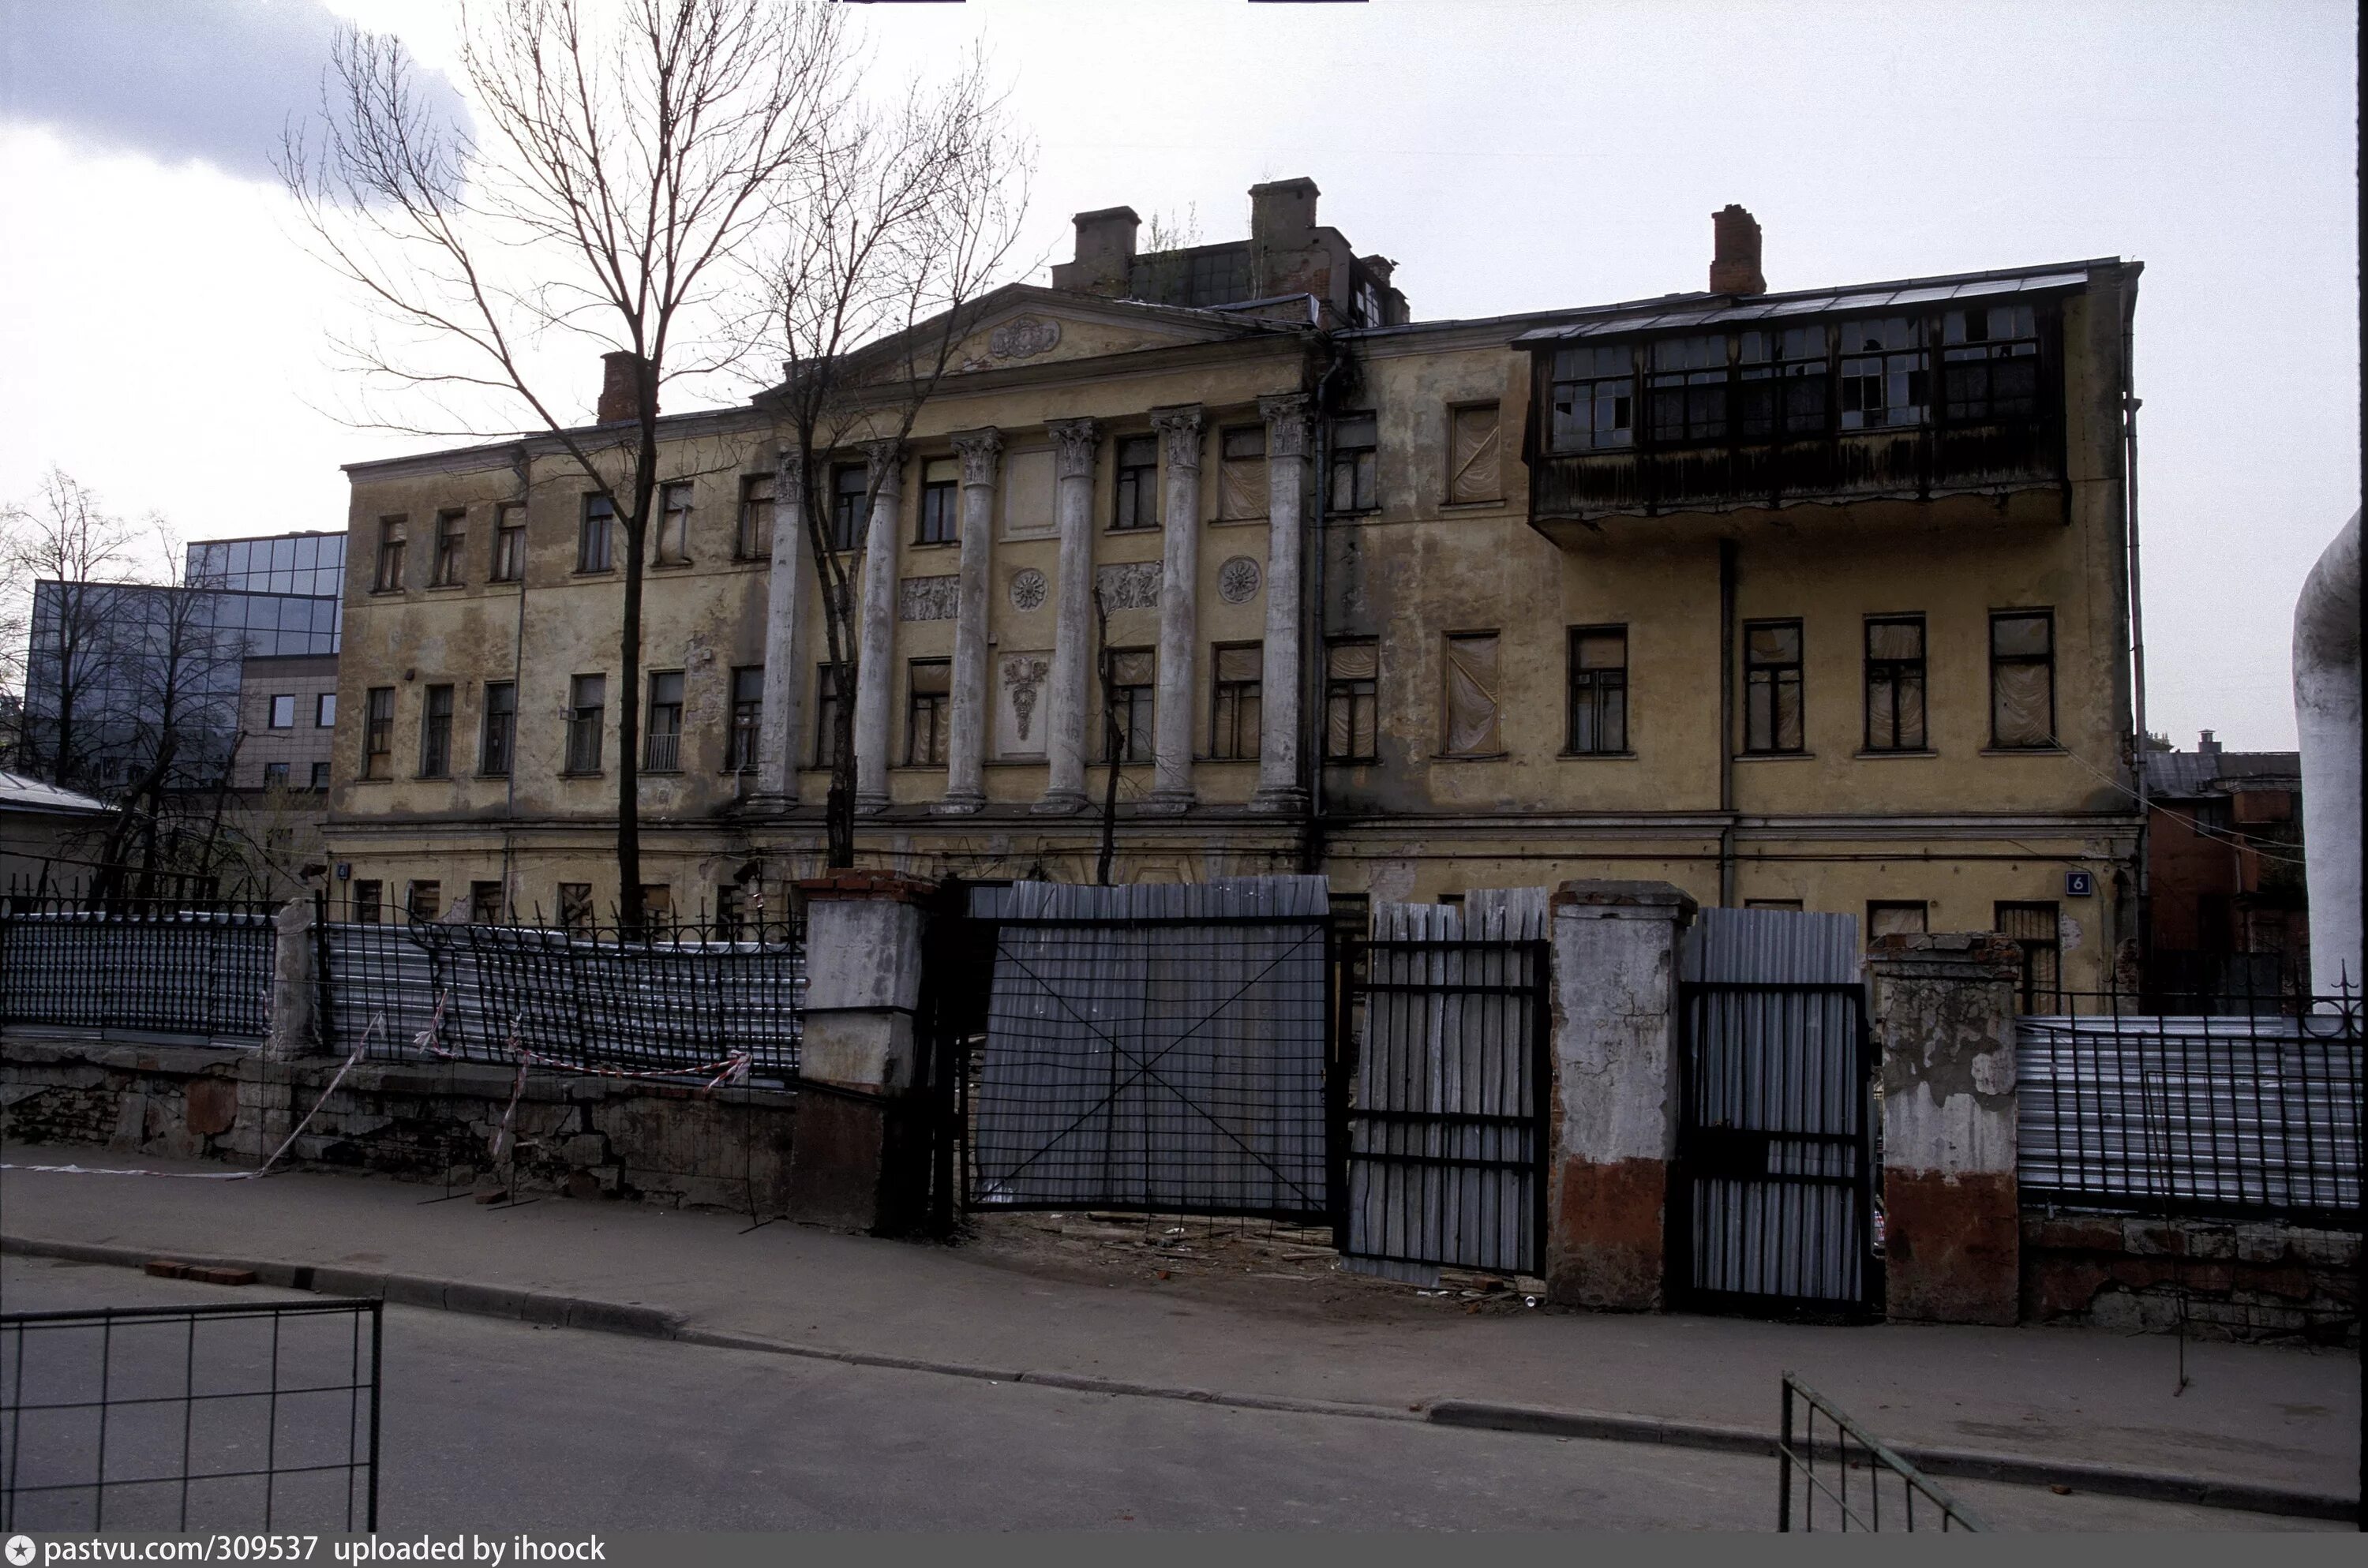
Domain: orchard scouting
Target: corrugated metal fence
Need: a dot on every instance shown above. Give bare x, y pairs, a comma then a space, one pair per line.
1160, 1048
164, 967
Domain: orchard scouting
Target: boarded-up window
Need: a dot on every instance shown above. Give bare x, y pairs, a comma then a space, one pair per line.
1472, 695
1351, 672
2036, 929
1241, 473
1473, 470
1771, 686
1233, 701
2022, 678
575, 908
1893, 917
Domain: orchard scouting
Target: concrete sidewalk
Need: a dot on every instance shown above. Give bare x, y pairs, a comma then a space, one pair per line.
2274, 1429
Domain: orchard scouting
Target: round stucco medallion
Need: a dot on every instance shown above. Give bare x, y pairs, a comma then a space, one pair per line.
1237, 579
1027, 588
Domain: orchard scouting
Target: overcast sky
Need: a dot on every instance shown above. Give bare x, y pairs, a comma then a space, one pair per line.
160, 332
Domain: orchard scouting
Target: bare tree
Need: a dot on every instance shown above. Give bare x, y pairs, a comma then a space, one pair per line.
906, 216
627, 162
65, 538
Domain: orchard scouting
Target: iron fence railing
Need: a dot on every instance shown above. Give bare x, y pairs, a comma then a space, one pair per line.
2237, 1115
1851, 1472
169, 966
257, 1416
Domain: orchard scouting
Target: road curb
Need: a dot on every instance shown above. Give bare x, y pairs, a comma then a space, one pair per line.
612, 1317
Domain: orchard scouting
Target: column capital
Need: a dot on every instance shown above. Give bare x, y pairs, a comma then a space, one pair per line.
789, 465
1179, 434
886, 455
1288, 417
1075, 442
979, 450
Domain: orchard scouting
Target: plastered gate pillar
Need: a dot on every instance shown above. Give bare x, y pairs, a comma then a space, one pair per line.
860, 1155
1615, 1117
1943, 1018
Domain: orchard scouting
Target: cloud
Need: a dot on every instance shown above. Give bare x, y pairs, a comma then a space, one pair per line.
213, 81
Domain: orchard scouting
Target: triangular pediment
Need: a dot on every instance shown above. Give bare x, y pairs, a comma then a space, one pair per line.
1023, 326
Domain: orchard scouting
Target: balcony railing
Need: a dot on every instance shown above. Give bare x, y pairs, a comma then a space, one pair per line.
662, 751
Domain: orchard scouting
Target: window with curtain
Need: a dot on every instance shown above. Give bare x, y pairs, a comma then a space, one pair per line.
929, 684
451, 547
1475, 472
1472, 695
378, 733
509, 542
754, 538
1241, 473
2022, 679
1351, 701
1896, 917
392, 536
1895, 683
1356, 440
747, 718
1599, 690
1236, 676
672, 545
1132, 682
1771, 686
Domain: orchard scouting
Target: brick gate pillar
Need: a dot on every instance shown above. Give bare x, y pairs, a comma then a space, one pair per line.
1615, 1105
860, 1155
1943, 1010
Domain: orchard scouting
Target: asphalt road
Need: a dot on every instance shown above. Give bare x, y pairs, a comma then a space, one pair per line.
492, 1426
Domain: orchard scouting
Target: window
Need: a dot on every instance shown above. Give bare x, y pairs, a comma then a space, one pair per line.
940, 501
662, 736
435, 733
1886, 918
1594, 399
1771, 686
451, 541
1475, 467
1884, 372
1138, 504
1241, 473
658, 904
1352, 668
320, 776
2035, 929
283, 710
378, 733
1233, 701
1599, 690
825, 752
393, 533
575, 908
1785, 382
1131, 682
592, 535
1895, 683
325, 710
509, 542
1989, 364
485, 902
754, 538
1688, 390
2022, 679
748, 719
731, 912
1354, 438
426, 901
274, 775
925, 712
672, 545
848, 491
368, 902
1472, 729
588, 704
498, 731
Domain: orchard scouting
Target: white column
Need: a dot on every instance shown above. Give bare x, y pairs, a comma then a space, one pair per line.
786, 593
1076, 443
1179, 587
873, 686
1282, 680
966, 746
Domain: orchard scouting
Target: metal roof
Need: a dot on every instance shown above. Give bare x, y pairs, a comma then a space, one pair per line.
1727, 309
18, 793
2188, 775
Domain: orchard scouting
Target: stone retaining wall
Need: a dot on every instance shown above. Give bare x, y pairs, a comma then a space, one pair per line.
582, 1135
2247, 1281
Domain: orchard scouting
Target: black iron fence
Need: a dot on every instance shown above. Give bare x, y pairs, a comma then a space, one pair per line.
250, 1416
2240, 1115
1835, 1464
171, 966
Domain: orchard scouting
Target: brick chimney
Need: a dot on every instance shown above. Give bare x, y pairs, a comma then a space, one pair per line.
620, 394
1735, 259
2207, 746
1105, 254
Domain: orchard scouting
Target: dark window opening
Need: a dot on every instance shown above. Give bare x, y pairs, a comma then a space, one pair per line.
754, 540
1895, 683
1599, 690
485, 902
825, 750
451, 544
426, 901
368, 902
592, 535
587, 708
1989, 364
1237, 676
275, 774
1136, 503
662, 739
940, 501
509, 542
747, 718
499, 729
1885, 371
1356, 438
435, 733
1687, 387
1594, 399
848, 489
378, 733
1132, 680
928, 684
1784, 384
2035, 928
1771, 686
392, 534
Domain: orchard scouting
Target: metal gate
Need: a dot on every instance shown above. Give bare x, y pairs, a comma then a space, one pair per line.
1773, 1209
1444, 1158
1159, 1049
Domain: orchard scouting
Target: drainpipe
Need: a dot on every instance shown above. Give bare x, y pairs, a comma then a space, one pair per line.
1726, 573
2327, 717
2131, 402
1312, 663
524, 463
